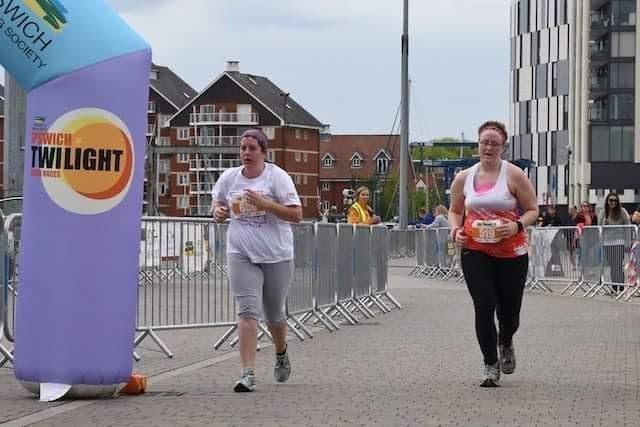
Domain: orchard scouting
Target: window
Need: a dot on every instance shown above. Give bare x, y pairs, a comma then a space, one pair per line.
613, 143
623, 12
356, 162
325, 186
163, 166
183, 134
270, 156
296, 179
162, 188
298, 156
151, 107
183, 157
305, 135
621, 106
305, 179
325, 205
382, 165
304, 201
183, 179
164, 141
298, 133
182, 202
151, 128
554, 79
327, 161
162, 119
622, 75
207, 109
623, 44
305, 157
269, 132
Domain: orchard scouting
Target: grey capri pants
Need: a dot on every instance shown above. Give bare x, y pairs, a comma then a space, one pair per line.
258, 286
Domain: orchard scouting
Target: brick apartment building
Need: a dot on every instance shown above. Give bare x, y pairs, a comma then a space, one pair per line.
348, 161
168, 93
216, 117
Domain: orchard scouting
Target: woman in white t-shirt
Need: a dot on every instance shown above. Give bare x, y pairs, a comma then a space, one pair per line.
261, 200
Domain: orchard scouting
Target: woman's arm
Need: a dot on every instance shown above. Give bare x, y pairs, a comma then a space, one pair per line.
456, 211
526, 196
292, 213
521, 188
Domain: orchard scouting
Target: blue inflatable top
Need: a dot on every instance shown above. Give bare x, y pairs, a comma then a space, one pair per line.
44, 39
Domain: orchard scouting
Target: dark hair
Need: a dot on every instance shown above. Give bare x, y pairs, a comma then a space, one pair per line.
258, 135
614, 212
496, 125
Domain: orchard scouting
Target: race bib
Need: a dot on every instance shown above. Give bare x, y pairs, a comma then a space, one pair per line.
484, 231
241, 206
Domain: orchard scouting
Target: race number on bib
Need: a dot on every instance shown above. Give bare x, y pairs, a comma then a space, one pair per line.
242, 207
484, 231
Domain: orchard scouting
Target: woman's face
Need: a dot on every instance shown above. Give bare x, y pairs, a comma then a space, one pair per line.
363, 197
585, 208
491, 145
612, 202
251, 152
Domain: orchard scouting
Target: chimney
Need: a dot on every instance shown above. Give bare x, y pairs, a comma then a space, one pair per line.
233, 67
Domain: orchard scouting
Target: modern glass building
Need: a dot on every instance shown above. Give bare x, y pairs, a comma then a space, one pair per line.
573, 97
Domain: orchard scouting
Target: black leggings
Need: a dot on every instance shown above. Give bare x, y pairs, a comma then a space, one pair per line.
495, 285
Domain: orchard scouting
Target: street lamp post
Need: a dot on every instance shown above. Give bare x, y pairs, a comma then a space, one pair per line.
284, 129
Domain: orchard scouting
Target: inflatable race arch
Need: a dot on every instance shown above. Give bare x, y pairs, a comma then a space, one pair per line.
86, 74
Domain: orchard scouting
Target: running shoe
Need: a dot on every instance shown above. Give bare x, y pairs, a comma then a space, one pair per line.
507, 359
246, 383
491, 375
282, 370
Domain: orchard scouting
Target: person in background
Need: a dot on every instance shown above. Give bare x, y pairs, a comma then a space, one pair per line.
428, 217
333, 214
586, 215
573, 215
440, 220
552, 219
360, 212
615, 239
635, 218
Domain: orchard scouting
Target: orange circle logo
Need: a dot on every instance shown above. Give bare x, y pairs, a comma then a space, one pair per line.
85, 160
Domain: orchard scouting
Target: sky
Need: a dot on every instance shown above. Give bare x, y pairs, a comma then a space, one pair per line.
340, 59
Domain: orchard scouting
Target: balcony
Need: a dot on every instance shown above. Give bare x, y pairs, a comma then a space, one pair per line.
213, 164
215, 141
223, 118
201, 187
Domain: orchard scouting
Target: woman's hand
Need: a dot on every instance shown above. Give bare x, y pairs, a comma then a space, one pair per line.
507, 230
258, 200
459, 236
220, 213
375, 219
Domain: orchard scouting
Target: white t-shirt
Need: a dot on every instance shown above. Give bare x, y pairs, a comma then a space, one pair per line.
258, 235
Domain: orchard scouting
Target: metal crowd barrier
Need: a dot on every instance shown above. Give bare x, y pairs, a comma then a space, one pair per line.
596, 260
10, 247
340, 271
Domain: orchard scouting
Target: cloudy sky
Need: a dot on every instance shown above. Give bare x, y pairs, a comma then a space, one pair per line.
340, 59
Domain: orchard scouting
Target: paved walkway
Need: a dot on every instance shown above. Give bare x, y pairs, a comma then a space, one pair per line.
578, 364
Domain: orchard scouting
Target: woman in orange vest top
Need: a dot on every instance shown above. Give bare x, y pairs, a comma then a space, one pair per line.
360, 212
485, 221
